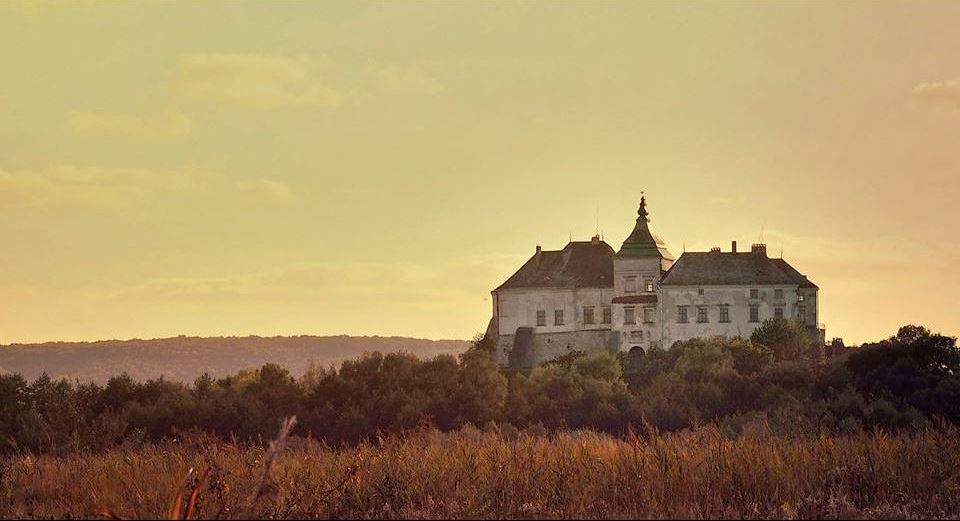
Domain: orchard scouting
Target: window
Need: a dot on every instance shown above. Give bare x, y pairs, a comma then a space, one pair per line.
778, 312
802, 314
648, 285
541, 318
558, 317
754, 313
701, 314
647, 315
724, 314
700, 291
800, 298
629, 315
778, 294
682, 314
630, 285
754, 293
588, 315
607, 314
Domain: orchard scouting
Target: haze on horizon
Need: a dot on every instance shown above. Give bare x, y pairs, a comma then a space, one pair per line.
283, 168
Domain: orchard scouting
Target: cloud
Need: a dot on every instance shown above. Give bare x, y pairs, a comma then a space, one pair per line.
166, 125
268, 189
406, 80
92, 186
354, 281
360, 283
853, 260
27, 7
257, 80
267, 81
943, 94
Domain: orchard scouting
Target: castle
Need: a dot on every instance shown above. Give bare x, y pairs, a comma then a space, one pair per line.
586, 297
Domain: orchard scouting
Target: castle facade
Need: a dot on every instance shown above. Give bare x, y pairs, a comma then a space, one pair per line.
587, 297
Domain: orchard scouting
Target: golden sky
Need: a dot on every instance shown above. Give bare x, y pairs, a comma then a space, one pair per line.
220, 168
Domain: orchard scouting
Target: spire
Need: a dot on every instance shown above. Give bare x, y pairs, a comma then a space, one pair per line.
642, 211
642, 242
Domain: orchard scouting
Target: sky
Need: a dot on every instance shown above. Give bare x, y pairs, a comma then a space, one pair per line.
285, 168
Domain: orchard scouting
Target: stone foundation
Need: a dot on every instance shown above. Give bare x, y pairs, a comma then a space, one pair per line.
539, 348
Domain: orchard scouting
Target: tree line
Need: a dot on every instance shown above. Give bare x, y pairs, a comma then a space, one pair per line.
775, 378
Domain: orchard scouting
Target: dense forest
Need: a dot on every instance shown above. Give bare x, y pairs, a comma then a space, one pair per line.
774, 379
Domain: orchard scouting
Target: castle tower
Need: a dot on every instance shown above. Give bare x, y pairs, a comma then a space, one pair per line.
637, 269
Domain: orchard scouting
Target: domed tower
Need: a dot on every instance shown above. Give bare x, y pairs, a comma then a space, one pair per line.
637, 269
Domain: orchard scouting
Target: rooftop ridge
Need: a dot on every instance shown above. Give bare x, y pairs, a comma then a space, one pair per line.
732, 268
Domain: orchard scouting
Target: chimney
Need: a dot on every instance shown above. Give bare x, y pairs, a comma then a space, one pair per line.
733, 246
595, 239
759, 249
538, 248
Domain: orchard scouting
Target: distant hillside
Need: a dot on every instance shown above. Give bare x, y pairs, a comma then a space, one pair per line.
185, 358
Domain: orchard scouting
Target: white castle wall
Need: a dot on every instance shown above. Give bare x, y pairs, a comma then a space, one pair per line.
736, 298
515, 308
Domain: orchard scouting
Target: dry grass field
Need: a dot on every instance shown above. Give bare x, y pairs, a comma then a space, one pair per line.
499, 474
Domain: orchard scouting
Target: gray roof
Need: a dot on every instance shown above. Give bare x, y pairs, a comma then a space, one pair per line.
578, 265
721, 269
801, 279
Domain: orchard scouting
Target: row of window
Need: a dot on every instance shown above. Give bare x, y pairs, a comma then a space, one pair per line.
630, 315
702, 317
630, 285
683, 316
589, 317
777, 294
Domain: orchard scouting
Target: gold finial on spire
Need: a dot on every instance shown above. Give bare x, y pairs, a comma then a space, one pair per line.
642, 211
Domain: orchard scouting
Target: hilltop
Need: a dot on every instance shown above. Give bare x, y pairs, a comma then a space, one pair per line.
185, 358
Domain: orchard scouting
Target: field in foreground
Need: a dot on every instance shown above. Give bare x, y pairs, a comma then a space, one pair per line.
499, 474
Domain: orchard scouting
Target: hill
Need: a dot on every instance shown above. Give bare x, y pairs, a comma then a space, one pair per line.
185, 358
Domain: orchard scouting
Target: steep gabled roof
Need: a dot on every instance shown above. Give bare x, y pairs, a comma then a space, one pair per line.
717, 268
581, 264
800, 278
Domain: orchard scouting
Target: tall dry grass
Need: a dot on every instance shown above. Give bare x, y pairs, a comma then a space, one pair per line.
476, 474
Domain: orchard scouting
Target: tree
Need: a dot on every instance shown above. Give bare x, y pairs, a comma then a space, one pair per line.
482, 390
914, 372
787, 339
